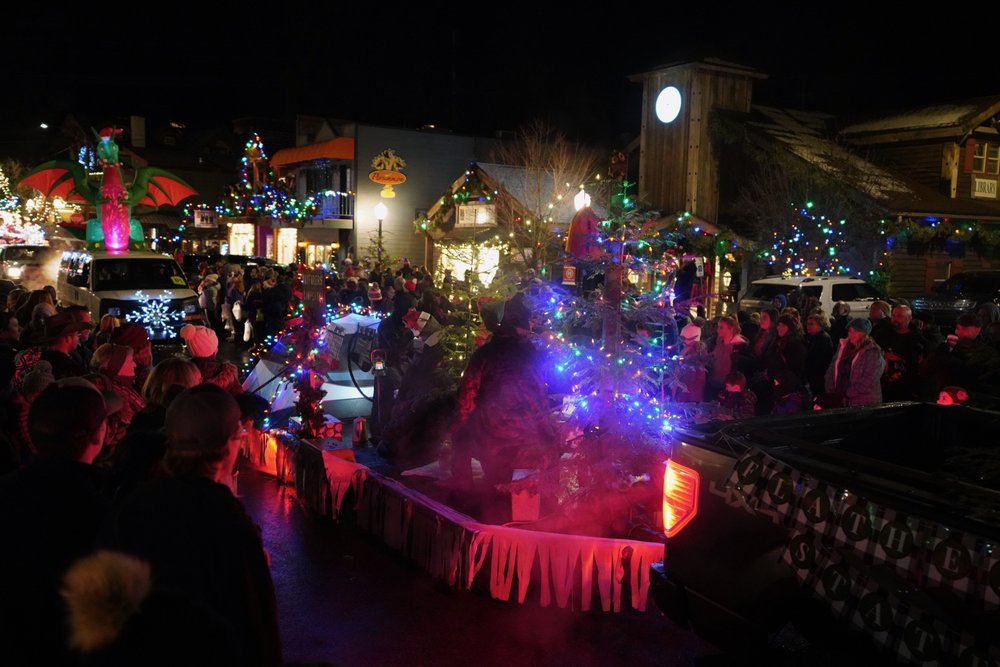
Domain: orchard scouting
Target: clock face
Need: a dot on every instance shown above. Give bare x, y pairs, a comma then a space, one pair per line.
668, 104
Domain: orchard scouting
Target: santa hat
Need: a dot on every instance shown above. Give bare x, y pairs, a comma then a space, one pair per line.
202, 341
410, 285
374, 293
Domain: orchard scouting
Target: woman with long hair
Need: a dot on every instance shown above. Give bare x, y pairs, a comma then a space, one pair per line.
785, 364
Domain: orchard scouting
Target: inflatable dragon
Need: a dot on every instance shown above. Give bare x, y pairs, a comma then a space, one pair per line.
113, 229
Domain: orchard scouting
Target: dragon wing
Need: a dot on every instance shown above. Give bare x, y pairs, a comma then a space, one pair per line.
158, 187
63, 179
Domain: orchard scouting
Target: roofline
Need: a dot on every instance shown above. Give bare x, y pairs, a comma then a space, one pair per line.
715, 64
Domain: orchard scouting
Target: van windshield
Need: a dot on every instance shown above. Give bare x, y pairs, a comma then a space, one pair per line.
137, 274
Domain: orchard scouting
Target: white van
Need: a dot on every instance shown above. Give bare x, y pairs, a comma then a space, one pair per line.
143, 287
855, 292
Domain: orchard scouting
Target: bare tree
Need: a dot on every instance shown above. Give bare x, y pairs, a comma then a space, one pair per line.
819, 208
539, 200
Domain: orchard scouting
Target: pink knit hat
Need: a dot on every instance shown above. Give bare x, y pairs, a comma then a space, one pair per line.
202, 341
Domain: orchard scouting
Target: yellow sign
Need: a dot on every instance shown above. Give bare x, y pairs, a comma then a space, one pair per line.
388, 171
386, 177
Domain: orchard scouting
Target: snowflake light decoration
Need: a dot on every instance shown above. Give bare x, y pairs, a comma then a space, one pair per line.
155, 314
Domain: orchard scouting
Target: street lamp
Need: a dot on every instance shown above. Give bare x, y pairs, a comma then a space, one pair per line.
380, 213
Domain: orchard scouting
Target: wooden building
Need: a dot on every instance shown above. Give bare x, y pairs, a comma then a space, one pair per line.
929, 175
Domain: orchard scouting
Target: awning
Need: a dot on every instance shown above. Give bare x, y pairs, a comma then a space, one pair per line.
341, 148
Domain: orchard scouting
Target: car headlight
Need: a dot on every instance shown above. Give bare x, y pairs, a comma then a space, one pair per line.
14, 272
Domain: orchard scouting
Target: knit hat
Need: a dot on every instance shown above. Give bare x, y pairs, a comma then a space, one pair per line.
37, 379
131, 334
410, 285
202, 341
117, 356
862, 324
780, 300
374, 293
201, 420
691, 332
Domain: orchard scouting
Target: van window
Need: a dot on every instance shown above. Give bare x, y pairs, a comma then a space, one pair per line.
768, 291
122, 273
812, 290
855, 292
78, 271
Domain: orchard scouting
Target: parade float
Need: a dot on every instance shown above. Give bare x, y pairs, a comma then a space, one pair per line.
586, 529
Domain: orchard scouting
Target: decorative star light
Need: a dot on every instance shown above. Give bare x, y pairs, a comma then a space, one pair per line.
155, 313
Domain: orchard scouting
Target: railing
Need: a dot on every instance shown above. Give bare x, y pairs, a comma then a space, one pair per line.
333, 204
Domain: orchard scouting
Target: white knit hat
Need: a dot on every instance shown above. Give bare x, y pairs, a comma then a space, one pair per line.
202, 341
691, 332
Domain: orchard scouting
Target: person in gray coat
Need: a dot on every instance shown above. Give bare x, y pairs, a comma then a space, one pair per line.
856, 370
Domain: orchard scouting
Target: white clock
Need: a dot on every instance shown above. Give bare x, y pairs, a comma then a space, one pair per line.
668, 104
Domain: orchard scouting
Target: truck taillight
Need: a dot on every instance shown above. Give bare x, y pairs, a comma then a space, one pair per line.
680, 497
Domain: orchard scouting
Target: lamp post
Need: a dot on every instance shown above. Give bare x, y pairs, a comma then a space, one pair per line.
380, 213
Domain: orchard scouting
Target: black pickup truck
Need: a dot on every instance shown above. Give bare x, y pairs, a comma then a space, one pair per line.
875, 528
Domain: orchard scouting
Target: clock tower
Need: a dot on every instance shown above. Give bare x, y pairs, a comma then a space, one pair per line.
677, 169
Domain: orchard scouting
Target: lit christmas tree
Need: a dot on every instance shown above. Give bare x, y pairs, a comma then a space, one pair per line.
22, 219
259, 193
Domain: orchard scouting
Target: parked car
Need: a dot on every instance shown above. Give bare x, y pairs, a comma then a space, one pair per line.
855, 292
32, 266
143, 287
869, 527
962, 293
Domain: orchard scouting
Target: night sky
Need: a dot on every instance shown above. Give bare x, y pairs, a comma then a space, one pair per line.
475, 71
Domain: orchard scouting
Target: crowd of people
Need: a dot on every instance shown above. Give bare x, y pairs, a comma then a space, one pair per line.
787, 359
244, 304
126, 543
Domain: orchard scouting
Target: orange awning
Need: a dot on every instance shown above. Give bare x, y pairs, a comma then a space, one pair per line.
341, 148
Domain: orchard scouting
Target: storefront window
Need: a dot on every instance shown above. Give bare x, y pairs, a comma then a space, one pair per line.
286, 245
241, 238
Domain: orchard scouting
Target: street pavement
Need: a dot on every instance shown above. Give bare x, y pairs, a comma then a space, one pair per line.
346, 599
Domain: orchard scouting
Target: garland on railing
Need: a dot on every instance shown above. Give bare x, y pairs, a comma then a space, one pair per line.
951, 236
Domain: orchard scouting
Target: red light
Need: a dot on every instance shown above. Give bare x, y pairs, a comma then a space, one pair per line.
680, 497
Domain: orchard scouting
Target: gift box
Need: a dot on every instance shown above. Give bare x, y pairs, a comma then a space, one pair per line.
525, 505
332, 427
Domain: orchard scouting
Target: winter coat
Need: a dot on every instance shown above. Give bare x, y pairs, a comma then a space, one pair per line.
503, 409
200, 541
865, 387
222, 373
785, 363
50, 513
819, 352
132, 403
727, 358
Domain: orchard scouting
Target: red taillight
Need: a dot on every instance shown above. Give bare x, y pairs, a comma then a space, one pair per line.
680, 497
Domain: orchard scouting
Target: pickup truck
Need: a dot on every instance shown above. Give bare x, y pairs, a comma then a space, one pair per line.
871, 531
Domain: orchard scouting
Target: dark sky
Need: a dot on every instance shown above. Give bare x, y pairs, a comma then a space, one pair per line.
474, 68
